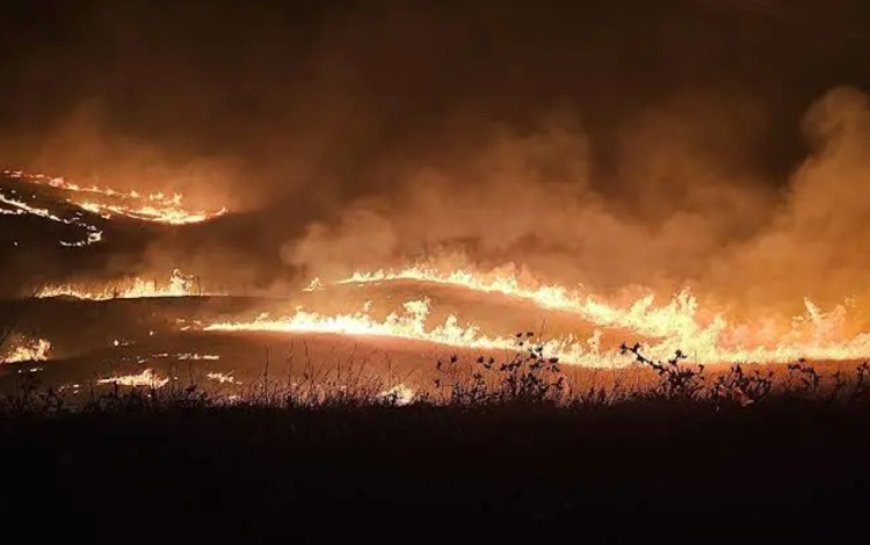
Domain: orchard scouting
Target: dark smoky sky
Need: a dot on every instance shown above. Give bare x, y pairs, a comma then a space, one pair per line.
647, 135
345, 84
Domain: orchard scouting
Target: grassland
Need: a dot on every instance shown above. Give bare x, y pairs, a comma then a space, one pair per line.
494, 452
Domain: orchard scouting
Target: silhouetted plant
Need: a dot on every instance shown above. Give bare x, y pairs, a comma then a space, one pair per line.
804, 380
529, 376
860, 391
740, 387
676, 381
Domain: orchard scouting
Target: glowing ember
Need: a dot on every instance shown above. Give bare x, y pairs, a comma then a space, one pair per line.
178, 285
146, 378
314, 285
198, 357
223, 378
152, 207
32, 351
399, 395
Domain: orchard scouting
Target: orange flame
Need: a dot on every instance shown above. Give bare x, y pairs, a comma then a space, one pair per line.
155, 207
223, 378
146, 378
676, 324
179, 285
411, 325
20, 208
32, 351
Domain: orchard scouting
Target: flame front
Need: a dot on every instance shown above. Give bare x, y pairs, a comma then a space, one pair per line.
412, 325
147, 378
679, 316
178, 285
21, 208
675, 325
678, 324
155, 207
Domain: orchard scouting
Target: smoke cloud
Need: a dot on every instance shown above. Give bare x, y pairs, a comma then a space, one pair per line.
707, 144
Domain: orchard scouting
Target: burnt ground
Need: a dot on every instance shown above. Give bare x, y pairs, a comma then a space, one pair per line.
643, 471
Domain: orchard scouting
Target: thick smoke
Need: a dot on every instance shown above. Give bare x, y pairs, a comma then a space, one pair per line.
816, 243
688, 208
707, 144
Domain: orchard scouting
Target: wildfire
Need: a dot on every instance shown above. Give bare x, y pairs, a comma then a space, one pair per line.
20, 208
178, 285
664, 328
399, 395
146, 378
641, 316
412, 325
31, 351
197, 357
223, 378
676, 324
159, 213
155, 207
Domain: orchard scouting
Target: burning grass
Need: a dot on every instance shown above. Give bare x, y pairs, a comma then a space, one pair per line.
530, 377
709, 335
27, 351
155, 207
178, 285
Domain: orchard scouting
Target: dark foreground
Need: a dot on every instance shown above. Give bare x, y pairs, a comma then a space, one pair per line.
637, 472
